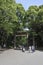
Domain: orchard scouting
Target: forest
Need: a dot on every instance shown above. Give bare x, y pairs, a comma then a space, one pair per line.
13, 18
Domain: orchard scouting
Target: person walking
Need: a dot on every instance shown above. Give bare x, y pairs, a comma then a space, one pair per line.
33, 48
30, 49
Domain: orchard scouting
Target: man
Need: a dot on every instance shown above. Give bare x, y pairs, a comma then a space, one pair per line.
33, 48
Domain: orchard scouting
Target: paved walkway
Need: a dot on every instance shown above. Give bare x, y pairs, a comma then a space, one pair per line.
17, 57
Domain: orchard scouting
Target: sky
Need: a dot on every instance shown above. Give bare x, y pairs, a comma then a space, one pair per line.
27, 3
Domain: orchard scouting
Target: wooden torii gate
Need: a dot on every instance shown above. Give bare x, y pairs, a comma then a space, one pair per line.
22, 34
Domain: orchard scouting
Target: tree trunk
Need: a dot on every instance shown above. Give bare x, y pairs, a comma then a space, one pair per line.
15, 41
33, 41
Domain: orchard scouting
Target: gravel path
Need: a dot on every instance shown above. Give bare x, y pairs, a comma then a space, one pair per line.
17, 57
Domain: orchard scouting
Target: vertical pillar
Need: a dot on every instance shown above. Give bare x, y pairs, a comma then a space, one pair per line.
15, 41
27, 41
33, 41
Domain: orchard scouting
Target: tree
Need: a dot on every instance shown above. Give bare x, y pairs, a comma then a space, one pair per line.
8, 18
35, 19
20, 12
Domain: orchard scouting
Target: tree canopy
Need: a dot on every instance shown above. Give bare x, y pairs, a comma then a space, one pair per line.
13, 17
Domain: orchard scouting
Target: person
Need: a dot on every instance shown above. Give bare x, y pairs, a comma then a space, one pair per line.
4, 45
23, 49
33, 48
30, 50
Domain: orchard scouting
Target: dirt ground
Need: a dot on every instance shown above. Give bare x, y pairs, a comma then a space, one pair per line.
17, 57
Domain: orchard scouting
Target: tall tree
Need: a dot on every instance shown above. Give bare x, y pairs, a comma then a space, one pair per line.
8, 18
35, 19
20, 13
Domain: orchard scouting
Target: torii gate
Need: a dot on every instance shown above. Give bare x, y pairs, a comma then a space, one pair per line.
22, 34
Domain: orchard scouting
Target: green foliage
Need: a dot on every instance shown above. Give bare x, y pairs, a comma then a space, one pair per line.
8, 15
35, 20
13, 17
8, 18
21, 41
20, 12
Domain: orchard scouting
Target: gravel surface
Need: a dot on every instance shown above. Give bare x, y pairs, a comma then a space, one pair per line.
17, 57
